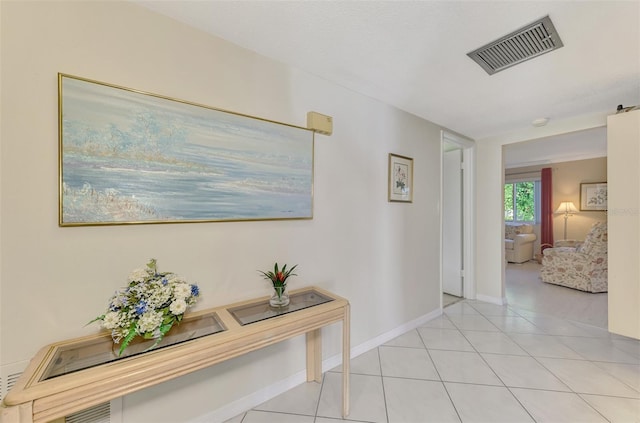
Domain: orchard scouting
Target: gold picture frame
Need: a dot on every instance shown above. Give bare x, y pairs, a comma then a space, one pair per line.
400, 178
132, 157
593, 196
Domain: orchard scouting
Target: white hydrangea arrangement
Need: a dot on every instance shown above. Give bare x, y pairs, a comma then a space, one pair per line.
151, 304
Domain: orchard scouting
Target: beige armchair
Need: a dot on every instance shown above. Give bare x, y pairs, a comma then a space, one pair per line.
582, 267
518, 243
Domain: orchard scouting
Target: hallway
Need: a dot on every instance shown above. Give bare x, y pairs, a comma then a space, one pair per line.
479, 362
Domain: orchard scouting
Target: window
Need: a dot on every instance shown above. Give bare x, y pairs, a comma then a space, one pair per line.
521, 201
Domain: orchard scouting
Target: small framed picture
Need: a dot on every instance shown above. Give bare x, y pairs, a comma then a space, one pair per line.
400, 178
593, 196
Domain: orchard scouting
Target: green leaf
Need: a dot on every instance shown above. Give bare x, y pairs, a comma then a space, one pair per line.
152, 265
165, 328
154, 344
127, 339
96, 319
268, 275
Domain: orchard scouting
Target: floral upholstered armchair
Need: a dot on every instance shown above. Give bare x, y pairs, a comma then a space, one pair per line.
583, 267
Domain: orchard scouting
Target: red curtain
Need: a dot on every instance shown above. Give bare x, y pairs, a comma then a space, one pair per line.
546, 209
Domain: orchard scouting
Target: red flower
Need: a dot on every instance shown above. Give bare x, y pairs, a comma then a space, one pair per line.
279, 276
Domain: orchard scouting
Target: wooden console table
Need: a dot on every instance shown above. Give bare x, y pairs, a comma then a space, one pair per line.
71, 376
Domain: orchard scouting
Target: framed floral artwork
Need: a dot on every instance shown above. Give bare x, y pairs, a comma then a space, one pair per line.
593, 196
400, 178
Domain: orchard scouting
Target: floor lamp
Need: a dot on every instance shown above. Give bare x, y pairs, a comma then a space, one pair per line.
568, 209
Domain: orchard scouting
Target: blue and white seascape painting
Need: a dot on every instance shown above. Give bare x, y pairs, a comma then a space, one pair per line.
132, 157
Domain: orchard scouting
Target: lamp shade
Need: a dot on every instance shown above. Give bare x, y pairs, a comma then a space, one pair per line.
567, 207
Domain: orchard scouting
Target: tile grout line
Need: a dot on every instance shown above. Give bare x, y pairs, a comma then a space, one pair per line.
440, 376
491, 368
315, 415
495, 373
572, 391
582, 359
384, 393
593, 362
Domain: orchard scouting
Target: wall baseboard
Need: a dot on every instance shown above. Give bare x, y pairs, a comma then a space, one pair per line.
256, 398
394, 333
492, 300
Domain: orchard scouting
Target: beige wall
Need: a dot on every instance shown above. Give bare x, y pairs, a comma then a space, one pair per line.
567, 177
490, 262
384, 257
623, 132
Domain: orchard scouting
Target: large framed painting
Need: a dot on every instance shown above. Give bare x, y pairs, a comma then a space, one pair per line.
400, 178
593, 196
131, 157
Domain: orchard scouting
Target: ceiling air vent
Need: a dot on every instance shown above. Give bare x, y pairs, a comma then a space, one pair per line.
528, 42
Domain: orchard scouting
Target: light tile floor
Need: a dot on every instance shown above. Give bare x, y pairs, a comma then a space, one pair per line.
478, 362
524, 289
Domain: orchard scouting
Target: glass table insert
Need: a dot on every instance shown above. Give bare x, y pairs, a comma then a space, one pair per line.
261, 310
80, 356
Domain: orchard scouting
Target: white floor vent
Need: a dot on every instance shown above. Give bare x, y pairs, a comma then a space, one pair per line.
6, 383
108, 412
100, 413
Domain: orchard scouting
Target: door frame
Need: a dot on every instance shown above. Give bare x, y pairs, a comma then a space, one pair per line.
469, 210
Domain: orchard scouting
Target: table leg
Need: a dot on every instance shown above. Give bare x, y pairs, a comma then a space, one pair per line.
314, 356
21, 413
346, 359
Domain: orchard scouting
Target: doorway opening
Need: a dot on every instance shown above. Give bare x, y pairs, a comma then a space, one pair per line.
575, 156
457, 217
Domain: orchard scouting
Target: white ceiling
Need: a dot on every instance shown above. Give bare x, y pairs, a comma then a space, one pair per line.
579, 145
412, 55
